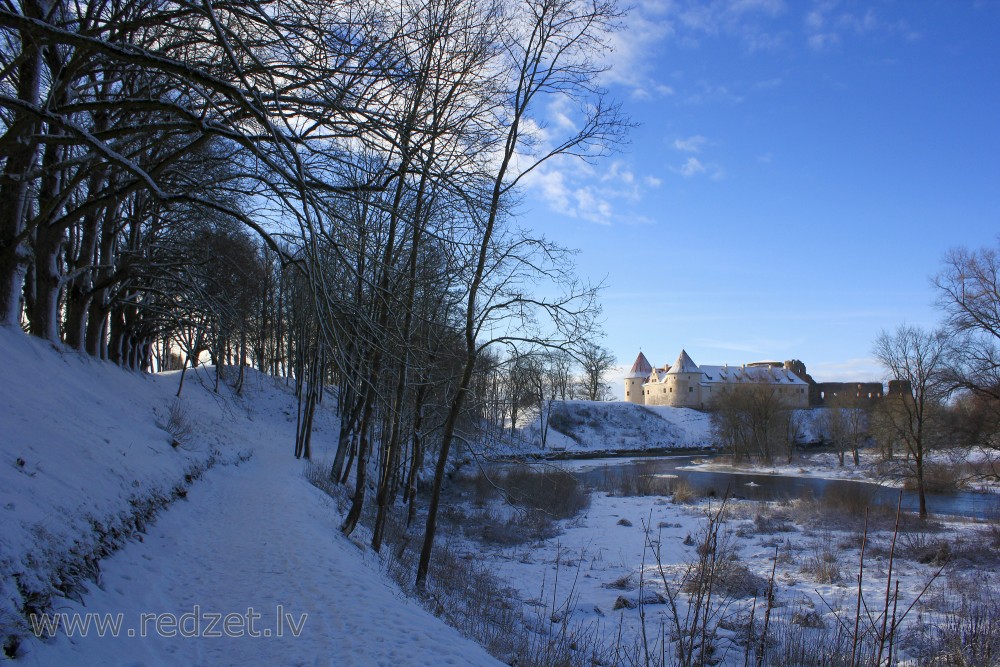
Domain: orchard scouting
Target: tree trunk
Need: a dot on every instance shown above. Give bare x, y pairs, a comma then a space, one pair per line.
21, 149
918, 462
44, 313
361, 476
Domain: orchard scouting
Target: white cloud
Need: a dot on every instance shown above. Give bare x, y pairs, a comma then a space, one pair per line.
592, 207
692, 167
826, 26
578, 190
619, 172
695, 167
823, 40
746, 20
690, 145
559, 113
772, 7
533, 133
635, 50
768, 84
815, 20
551, 185
710, 93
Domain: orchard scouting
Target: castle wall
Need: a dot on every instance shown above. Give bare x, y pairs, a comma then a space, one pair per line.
690, 391
701, 389
634, 391
824, 392
679, 391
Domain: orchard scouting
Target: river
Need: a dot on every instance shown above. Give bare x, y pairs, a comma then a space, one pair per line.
657, 475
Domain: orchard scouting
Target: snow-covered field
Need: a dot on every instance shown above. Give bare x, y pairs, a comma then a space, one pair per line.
625, 548
245, 565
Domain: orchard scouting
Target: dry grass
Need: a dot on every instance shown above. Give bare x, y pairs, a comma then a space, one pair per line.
684, 493
966, 635
178, 424
823, 564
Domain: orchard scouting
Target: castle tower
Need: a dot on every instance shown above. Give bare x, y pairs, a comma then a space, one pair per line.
635, 377
684, 383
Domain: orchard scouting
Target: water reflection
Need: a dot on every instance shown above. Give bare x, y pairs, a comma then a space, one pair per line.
661, 477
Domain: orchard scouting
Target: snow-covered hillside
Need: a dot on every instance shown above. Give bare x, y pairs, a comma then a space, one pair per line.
108, 517
591, 426
596, 427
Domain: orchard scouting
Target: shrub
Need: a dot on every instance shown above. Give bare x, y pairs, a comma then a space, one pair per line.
623, 583
684, 493
633, 481
735, 579
919, 546
768, 523
178, 424
849, 500
968, 634
723, 571
823, 565
938, 478
555, 493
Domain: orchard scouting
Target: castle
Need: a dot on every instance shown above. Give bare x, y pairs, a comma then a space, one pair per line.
688, 385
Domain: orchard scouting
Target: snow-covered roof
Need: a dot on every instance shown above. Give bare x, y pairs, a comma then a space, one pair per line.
641, 367
753, 374
684, 364
757, 373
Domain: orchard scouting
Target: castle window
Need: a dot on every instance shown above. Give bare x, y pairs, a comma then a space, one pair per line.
690, 389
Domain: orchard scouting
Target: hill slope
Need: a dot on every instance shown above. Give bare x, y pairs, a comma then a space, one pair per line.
601, 426
87, 463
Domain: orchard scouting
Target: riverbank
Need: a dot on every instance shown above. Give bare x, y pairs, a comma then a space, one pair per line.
946, 470
626, 567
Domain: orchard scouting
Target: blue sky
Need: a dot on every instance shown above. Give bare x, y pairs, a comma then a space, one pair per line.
799, 171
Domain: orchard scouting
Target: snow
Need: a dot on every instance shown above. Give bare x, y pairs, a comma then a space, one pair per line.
614, 426
604, 553
250, 537
597, 427
84, 445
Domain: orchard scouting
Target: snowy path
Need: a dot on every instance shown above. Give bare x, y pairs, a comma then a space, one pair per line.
254, 537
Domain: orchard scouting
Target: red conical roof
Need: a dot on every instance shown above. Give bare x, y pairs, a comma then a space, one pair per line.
641, 367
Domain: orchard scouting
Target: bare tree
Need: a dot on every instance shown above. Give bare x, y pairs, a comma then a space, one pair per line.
596, 361
549, 49
847, 419
754, 422
916, 361
969, 293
